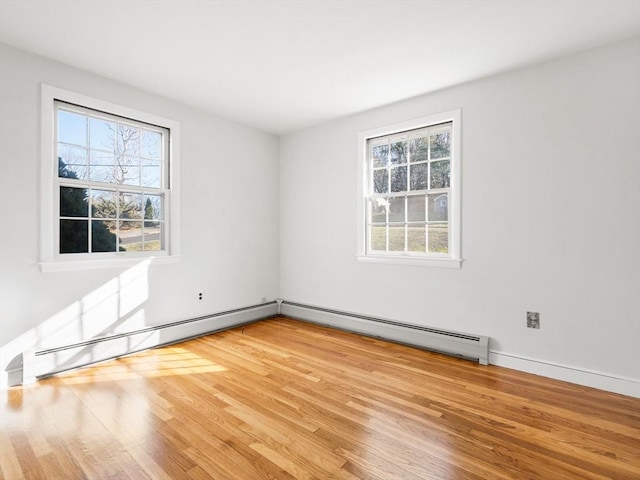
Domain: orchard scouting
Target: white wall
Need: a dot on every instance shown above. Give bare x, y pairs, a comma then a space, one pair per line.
551, 219
229, 218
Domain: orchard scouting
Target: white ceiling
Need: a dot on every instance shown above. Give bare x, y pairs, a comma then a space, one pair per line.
282, 66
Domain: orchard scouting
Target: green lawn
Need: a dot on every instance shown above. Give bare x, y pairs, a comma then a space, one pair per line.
152, 246
416, 238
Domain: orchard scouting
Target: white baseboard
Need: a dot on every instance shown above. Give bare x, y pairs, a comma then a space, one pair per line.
567, 373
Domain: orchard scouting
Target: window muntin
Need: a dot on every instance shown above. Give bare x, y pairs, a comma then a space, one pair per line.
408, 192
112, 183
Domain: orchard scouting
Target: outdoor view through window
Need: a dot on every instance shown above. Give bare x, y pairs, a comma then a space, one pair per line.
409, 182
112, 182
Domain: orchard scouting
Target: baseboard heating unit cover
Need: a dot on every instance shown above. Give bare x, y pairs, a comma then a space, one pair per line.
473, 347
43, 362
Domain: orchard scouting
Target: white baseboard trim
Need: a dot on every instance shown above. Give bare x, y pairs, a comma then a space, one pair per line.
588, 378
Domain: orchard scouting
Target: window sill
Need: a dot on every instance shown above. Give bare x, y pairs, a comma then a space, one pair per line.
74, 265
455, 263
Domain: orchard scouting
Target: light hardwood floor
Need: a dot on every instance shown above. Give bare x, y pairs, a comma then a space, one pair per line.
282, 399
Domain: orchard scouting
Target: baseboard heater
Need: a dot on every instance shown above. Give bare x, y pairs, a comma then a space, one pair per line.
473, 347
40, 363
46, 362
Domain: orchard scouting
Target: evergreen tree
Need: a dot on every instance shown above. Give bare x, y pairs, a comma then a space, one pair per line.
148, 213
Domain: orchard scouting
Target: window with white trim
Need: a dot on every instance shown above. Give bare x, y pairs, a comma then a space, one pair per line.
108, 182
410, 202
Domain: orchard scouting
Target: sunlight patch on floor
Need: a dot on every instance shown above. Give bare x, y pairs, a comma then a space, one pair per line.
162, 362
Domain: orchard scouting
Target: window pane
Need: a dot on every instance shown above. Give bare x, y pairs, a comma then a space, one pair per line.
399, 179
72, 128
416, 238
102, 158
73, 202
102, 237
72, 155
128, 174
151, 176
72, 171
379, 154
379, 238
102, 134
131, 206
398, 153
74, 236
151, 145
416, 208
152, 239
72, 162
128, 140
102, 174
152, 210
438, 207
440, 145
440, 174
380, 181
127, 170
419, 149
378, 210
438, 237
419, 176
396, 209
396, 239
103, 204
131, 236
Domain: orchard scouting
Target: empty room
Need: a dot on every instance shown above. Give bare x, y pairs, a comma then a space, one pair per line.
289, 239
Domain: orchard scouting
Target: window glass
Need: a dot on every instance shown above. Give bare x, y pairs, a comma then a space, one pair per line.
409, 176
111, 182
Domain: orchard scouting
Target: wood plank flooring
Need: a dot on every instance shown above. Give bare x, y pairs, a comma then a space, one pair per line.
283, 399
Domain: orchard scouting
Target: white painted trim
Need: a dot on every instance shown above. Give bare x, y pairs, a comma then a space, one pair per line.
412, 261
454, 257
72, 265
47, 173
568, 373
49, 260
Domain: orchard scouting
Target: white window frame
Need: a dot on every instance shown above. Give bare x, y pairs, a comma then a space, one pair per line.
50, 258
453, 258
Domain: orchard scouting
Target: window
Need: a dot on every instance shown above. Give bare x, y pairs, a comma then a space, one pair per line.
110, 185
410, 192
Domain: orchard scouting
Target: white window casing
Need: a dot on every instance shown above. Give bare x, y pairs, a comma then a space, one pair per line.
167, 190
369, 172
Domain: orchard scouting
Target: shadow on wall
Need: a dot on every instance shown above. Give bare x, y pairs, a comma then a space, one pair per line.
114, 308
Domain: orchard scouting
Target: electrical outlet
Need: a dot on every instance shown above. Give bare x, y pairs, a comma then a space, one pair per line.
200, 296
533, 319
